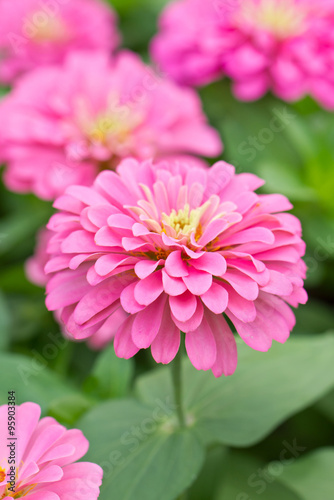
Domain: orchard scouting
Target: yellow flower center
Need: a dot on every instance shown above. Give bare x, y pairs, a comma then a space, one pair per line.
283, 18
111, 127
45, 28
185, 221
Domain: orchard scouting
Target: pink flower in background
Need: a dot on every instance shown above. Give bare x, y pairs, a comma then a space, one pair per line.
175, 247
34, 33
64, 125
285, 46
46, 459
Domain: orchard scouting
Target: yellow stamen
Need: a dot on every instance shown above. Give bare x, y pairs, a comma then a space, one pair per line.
185, 221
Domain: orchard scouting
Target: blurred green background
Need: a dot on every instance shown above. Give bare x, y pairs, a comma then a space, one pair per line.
292, 147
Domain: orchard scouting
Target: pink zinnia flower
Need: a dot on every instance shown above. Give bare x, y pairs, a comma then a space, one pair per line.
46, 456
34, 32
34, 268
285, 46
176, 248
61, 126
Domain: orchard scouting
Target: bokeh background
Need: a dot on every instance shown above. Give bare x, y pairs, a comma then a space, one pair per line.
292, 147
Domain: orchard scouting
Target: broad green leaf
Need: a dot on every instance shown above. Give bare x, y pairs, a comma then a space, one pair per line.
312, 476
31, 379
143, 453
266, 389
111, 376
245, 478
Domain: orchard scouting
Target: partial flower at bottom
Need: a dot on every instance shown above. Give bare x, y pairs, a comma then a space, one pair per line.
46, 456
175, 248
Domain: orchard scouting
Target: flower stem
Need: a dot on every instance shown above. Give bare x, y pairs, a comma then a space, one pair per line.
177, 384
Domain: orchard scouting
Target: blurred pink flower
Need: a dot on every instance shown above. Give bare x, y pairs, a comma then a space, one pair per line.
46, 456
176, 247
286, 46
64, 125
34, 32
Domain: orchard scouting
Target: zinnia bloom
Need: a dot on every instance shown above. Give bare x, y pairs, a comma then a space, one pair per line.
46, 456
34, 32
285, 46
64, 125
175, 248
34, 268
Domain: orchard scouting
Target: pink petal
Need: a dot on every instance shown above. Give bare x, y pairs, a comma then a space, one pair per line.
175, 265
183, 306
128, 301
201, 346
193, 323
278, 284
253, 334
227, 353
147, 323
242, 284
172, 286
211, 262
198, 282
149, 289
241, 308
214, 229
144, 268
216, 298
123, 343
166, 344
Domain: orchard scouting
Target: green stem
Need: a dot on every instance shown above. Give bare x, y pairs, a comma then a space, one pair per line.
177, 384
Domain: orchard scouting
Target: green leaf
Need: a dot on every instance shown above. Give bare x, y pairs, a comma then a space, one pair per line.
143, 453
31, 379
312, 476
111, 376
266, 389
69, 409
244, 478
